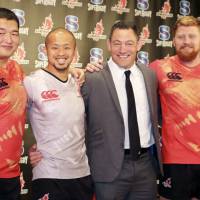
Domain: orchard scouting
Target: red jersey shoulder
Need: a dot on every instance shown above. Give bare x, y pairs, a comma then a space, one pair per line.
15, 70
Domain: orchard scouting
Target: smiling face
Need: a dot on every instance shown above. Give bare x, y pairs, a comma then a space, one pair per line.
123, 47
9, 38
187, 42
60, 47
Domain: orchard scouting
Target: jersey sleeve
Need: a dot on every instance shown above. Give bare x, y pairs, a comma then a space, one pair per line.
28, 86
153, 65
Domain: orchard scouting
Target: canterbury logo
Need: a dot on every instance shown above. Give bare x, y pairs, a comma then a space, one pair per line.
174, 76
3, 83
50, 95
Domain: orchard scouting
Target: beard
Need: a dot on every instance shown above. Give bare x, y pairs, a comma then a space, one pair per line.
187, 55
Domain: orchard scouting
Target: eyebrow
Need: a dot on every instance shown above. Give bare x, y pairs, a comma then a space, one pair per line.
124, 41
65, 44
3, 29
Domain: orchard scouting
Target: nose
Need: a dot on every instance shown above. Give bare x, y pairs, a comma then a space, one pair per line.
8, 37
122, 47
61, 51
186, 39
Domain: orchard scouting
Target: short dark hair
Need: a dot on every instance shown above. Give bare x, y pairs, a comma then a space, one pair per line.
9, 15
123, 25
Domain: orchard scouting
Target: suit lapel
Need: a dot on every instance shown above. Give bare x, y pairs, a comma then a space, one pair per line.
110, 84
148, 85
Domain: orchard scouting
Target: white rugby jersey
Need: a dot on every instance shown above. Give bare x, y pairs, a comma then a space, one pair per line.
56, 112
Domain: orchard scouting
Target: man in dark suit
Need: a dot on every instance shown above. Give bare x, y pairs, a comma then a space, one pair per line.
117, 174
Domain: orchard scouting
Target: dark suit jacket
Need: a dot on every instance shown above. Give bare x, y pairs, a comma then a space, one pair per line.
105, 127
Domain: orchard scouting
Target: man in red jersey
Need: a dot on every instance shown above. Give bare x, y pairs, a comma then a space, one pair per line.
179, 86
12, 107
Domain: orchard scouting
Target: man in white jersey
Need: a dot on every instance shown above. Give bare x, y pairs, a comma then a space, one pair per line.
56, 112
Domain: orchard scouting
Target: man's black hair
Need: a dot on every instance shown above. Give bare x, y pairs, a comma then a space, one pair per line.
9, 15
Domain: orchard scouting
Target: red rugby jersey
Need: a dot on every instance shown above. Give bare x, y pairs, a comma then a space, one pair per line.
179, 89
12, 118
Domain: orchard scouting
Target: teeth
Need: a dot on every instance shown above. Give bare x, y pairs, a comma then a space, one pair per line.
61, 60
123, 56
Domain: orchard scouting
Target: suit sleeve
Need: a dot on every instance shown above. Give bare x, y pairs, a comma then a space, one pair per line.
85, 93
154, 65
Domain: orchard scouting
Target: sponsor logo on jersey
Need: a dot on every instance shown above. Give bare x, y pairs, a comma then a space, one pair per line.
143, 57
165, 12
21, 16
20, 55
120, 7
164, 36
72, 3
46, 27
97, 6
97, 34
42, 57
184, 8
174, 76
144, 37
46, 2
142, 7
167, 183
72, 24
3, 84
50, 95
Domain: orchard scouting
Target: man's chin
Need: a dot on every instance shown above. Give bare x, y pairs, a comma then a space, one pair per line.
187, 57
61, 67
6, 55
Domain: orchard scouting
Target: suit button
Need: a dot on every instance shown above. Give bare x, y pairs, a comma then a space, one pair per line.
139, 152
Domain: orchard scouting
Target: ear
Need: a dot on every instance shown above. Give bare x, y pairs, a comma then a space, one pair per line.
45, 50
108, 42
173, 42
75, 53
139, 44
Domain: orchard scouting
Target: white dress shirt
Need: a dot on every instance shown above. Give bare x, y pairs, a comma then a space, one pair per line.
141, 102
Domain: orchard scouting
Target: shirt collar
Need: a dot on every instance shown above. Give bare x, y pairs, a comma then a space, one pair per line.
119, 71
